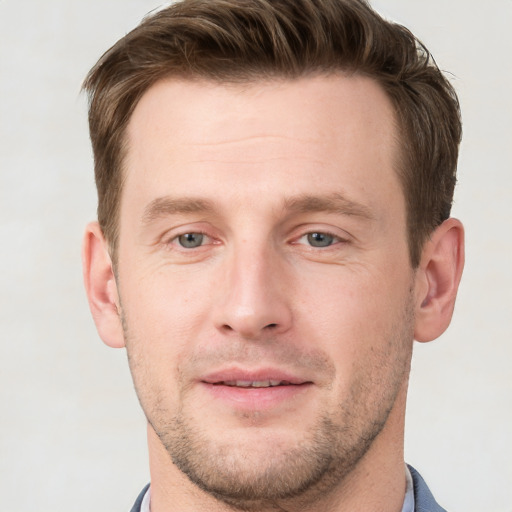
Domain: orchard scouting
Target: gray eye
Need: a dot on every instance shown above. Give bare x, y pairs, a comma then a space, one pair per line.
191, 240
320, 239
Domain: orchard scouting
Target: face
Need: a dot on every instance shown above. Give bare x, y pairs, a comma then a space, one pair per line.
264, 280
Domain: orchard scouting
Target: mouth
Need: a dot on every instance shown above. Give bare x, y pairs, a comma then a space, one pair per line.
255, 390
270, 383
264, 378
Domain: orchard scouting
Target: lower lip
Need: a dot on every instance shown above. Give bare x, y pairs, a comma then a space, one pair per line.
256, 398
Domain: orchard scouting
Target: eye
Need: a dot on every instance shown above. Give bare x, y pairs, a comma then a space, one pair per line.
318, 239
191, 240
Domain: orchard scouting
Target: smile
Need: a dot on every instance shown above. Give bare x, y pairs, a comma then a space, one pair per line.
255, 390
254, 383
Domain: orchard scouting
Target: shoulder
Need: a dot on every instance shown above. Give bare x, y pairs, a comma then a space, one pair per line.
424, 501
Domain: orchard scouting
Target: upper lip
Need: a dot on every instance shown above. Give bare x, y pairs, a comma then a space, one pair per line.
259, 375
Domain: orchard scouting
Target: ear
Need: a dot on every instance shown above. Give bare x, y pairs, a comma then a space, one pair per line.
437, 280
101, 287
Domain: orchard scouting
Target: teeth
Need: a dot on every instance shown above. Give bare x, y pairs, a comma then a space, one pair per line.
253, 383
261, 384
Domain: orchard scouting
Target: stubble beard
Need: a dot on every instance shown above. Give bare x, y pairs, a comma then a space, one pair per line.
327, 455
302, 474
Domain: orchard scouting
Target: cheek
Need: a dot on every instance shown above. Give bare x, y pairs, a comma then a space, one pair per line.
162, 318
357, 316
352, 298
165, 303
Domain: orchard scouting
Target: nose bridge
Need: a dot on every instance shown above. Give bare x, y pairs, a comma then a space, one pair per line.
253, 302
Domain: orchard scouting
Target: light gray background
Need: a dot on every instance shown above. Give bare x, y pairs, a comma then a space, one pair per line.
72, 436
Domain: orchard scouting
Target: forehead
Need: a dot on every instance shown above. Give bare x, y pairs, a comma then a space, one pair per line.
324, 131
195, 107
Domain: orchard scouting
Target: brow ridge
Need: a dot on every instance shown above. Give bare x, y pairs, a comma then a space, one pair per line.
305, 203
164, 206
332, 203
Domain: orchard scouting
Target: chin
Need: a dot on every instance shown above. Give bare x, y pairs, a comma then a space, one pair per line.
253, 467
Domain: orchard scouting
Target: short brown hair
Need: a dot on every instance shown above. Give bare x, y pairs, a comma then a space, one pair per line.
255, 40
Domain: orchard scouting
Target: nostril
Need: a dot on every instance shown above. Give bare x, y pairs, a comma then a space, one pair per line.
271, 326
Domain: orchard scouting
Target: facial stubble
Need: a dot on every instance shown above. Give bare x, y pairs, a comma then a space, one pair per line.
327, 454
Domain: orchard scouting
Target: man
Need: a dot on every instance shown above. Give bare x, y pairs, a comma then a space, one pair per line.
275, 181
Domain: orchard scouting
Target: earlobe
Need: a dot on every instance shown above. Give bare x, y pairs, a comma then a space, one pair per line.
101, 287
437, 280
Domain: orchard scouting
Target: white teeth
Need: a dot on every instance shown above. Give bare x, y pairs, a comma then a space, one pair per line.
252, 383
261, 384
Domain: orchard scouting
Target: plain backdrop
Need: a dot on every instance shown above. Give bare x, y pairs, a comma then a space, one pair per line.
72, 434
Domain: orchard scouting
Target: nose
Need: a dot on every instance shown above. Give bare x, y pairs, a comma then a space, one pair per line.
254, 300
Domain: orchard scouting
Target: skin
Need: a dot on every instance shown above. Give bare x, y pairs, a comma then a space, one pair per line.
244, 176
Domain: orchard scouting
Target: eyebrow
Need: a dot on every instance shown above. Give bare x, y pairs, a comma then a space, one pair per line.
164, 206
332, 203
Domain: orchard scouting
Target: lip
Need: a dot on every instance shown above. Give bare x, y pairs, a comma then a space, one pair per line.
254, 398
